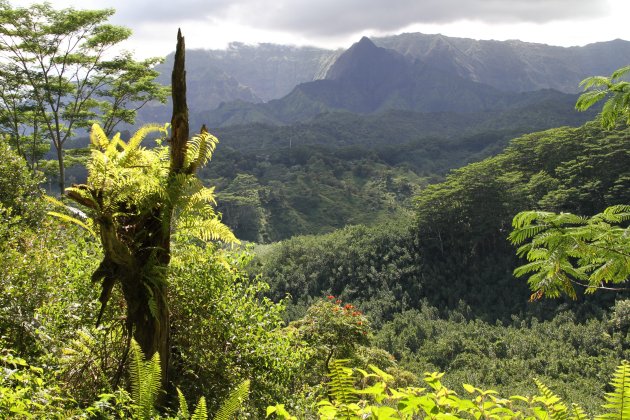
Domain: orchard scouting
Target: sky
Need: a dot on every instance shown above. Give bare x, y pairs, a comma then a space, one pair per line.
213, 24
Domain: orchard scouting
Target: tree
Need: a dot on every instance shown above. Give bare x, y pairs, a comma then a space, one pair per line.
565, 249
57, 60
18, 119
136, 198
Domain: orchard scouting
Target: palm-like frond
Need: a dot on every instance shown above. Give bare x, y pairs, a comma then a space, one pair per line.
563, 248
597, 88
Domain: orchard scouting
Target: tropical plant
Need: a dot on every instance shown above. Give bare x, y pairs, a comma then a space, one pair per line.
135, 198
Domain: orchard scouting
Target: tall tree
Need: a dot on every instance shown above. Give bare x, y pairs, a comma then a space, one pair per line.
136, 199
61, 59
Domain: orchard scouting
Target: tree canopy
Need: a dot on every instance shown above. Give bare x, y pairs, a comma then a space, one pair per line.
59, 74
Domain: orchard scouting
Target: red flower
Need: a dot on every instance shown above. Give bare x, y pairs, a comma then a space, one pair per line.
348, 306
338, 301
330, 297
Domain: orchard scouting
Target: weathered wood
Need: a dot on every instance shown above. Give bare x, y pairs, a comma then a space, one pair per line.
180, 130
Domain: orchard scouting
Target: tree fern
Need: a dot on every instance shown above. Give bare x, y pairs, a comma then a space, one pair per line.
618, 401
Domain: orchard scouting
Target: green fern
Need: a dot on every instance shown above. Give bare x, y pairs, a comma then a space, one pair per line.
145, 381
618, 401
234, 402
201, 412
341, 386
182, 412
554, 405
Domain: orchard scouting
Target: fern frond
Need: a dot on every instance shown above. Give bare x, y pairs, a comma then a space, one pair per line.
201, 412
206, 230
578, 412
553, 403
145, 380
341, 386
141, 134
98, 138
200, 150
183, 405
135, 370
618, 401
231, 405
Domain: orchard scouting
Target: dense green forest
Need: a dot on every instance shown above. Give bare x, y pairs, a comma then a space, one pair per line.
128, 297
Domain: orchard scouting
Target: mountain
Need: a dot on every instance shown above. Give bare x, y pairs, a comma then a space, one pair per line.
246, 73
513, 65
228, 86
369, 79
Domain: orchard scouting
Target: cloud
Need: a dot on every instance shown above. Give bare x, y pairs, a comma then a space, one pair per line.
324, 18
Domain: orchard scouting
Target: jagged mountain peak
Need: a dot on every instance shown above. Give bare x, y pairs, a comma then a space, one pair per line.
365, 57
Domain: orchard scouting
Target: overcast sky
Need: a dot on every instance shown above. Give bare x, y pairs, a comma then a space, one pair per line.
339, 23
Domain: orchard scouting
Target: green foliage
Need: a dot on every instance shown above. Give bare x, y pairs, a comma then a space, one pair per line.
340, 168
379, 401
454, 249
336, 327
224, 331
145, 381
19, 187
25, 391
233, 403
616, 88
565, 249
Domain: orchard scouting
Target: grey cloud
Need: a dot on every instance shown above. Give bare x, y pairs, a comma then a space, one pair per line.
153, 11
339, 17
333, 17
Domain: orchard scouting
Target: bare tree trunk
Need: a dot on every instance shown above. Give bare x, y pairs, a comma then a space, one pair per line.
62, 170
